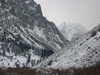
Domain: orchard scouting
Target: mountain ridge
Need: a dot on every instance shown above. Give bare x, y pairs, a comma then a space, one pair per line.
83, 53
25, 32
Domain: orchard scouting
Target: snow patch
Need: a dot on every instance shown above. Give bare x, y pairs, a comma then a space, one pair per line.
27, 2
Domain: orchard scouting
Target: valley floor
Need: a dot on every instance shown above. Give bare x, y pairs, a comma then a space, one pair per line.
26, 71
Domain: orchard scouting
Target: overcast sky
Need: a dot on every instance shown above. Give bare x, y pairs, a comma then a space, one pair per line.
85, 12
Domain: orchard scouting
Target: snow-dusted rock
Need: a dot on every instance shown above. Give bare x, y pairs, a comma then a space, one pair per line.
24, 28
84, 53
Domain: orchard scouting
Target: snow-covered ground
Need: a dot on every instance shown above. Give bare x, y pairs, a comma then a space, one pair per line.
85, 53
12, 60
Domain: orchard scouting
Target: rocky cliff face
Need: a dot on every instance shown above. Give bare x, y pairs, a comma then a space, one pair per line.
23, 28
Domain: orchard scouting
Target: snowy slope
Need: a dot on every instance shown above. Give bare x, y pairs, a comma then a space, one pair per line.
23, 28
72, 31
13, 60
85, 53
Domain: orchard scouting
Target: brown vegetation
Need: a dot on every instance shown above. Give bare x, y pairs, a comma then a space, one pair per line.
17, 71
26, 71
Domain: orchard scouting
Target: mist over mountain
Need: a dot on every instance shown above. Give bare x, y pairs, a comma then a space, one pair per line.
72, 31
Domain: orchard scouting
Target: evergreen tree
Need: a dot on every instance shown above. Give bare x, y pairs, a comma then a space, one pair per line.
32, 62
28, 58
4, 53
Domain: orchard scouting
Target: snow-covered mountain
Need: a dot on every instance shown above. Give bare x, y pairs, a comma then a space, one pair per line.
72, 31
84, 52
25, 34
